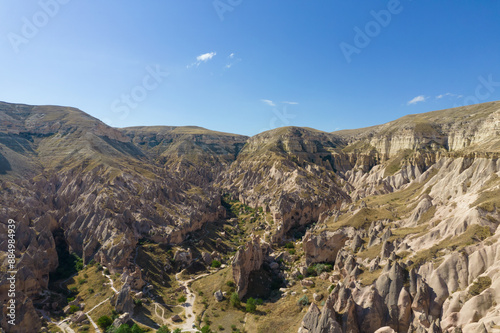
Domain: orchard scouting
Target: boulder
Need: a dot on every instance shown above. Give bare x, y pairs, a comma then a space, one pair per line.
78, 317
183, 257
207, 258
122, 319
307, 283
218, 296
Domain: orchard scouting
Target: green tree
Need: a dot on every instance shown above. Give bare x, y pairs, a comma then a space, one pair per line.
124, 328
136, 329
216, 263
163, 329
235, 300
104, 322
73, 308
206, 329
251, 305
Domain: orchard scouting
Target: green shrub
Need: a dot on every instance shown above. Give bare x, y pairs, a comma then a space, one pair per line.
251, 305
163, 329
303, 301
235, 300
107, 272
79, 265
104, 322
182, 299
73, 309
136, 329
206, 329
124, 328
482, 283
216, 264
230, 284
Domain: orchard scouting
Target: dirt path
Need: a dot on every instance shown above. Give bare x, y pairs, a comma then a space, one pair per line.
188, 306
65, 327
110, 281
162, 312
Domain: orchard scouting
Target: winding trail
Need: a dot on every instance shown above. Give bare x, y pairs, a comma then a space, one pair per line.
62, 324
188, 306
110, 281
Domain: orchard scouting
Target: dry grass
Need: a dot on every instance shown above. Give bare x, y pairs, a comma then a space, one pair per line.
367, 278
474, 233
394, 164
363, 218
93, 291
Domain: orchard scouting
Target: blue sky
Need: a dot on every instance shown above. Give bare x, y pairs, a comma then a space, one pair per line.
244, 66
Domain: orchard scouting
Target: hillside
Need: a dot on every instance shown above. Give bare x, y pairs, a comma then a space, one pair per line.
391, 227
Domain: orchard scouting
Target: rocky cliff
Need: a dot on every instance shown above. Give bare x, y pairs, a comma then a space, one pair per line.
406, 212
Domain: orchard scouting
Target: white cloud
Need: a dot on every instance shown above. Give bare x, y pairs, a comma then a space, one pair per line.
290, 103
231, 56
206, 57
202, 58
449, 95
268, 102
417, 99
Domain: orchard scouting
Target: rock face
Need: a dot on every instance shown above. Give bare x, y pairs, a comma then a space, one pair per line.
248, 258
124, 302
323, 247
95, 191
288, 172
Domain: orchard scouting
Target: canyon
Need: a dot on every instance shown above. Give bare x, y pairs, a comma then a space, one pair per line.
405, 213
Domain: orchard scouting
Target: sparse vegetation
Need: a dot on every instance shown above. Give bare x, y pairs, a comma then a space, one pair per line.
303, 301
481, 284
473, 234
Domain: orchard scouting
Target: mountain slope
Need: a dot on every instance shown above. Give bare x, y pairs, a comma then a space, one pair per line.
406, 214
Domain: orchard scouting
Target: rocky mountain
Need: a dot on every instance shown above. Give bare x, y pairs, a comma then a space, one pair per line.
405, 213
64, 170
